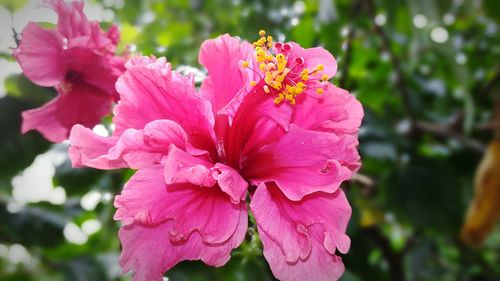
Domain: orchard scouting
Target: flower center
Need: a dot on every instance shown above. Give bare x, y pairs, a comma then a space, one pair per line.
285, 77
70, 79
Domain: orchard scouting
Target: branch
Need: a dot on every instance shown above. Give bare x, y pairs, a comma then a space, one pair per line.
15, 34
445, 132
368, 184
386, 46
348, 49
364, 180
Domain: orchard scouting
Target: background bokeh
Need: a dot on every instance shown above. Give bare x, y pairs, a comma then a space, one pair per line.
426, 71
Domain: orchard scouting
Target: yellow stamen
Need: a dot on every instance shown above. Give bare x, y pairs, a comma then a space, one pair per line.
275, 70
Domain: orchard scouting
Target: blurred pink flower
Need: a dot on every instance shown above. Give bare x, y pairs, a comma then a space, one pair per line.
199, 154
77, 58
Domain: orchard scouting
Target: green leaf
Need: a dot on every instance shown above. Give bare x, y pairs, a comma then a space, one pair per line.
16, 151
13, 5
7, 56
84, 269
426, 194
31, 227
491, 8
304, 32
76, 181
19, 86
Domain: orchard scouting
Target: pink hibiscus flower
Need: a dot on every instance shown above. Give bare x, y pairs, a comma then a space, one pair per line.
78, 58
279, 133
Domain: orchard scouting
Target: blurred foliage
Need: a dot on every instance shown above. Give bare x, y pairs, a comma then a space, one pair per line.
427, 73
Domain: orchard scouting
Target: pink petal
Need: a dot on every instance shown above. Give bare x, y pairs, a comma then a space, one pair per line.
134, 148
114, 34
44, 120
89, 149
71, 22
96, 69
318, 266
266, 132
222, 57
148, 252
141, 148
315, 56
257, 111
300, 238
334, 111
230, 182
84, 105
148, 200
181, 167
303, 162
287, 222
40, 55
150, 90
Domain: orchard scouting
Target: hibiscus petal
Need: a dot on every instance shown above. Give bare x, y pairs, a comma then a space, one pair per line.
318, 266
303, 162
141, 148
181, 167
71, 22
252, 121
134, 148
222, 58
314, 57
148, 200
148, 252
301, 236
96, 69
40, 55
230, 182
89, 149
287, 222
84, 105
150, 84
334, 111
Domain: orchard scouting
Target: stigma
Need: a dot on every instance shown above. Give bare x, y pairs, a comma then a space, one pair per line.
284, 77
